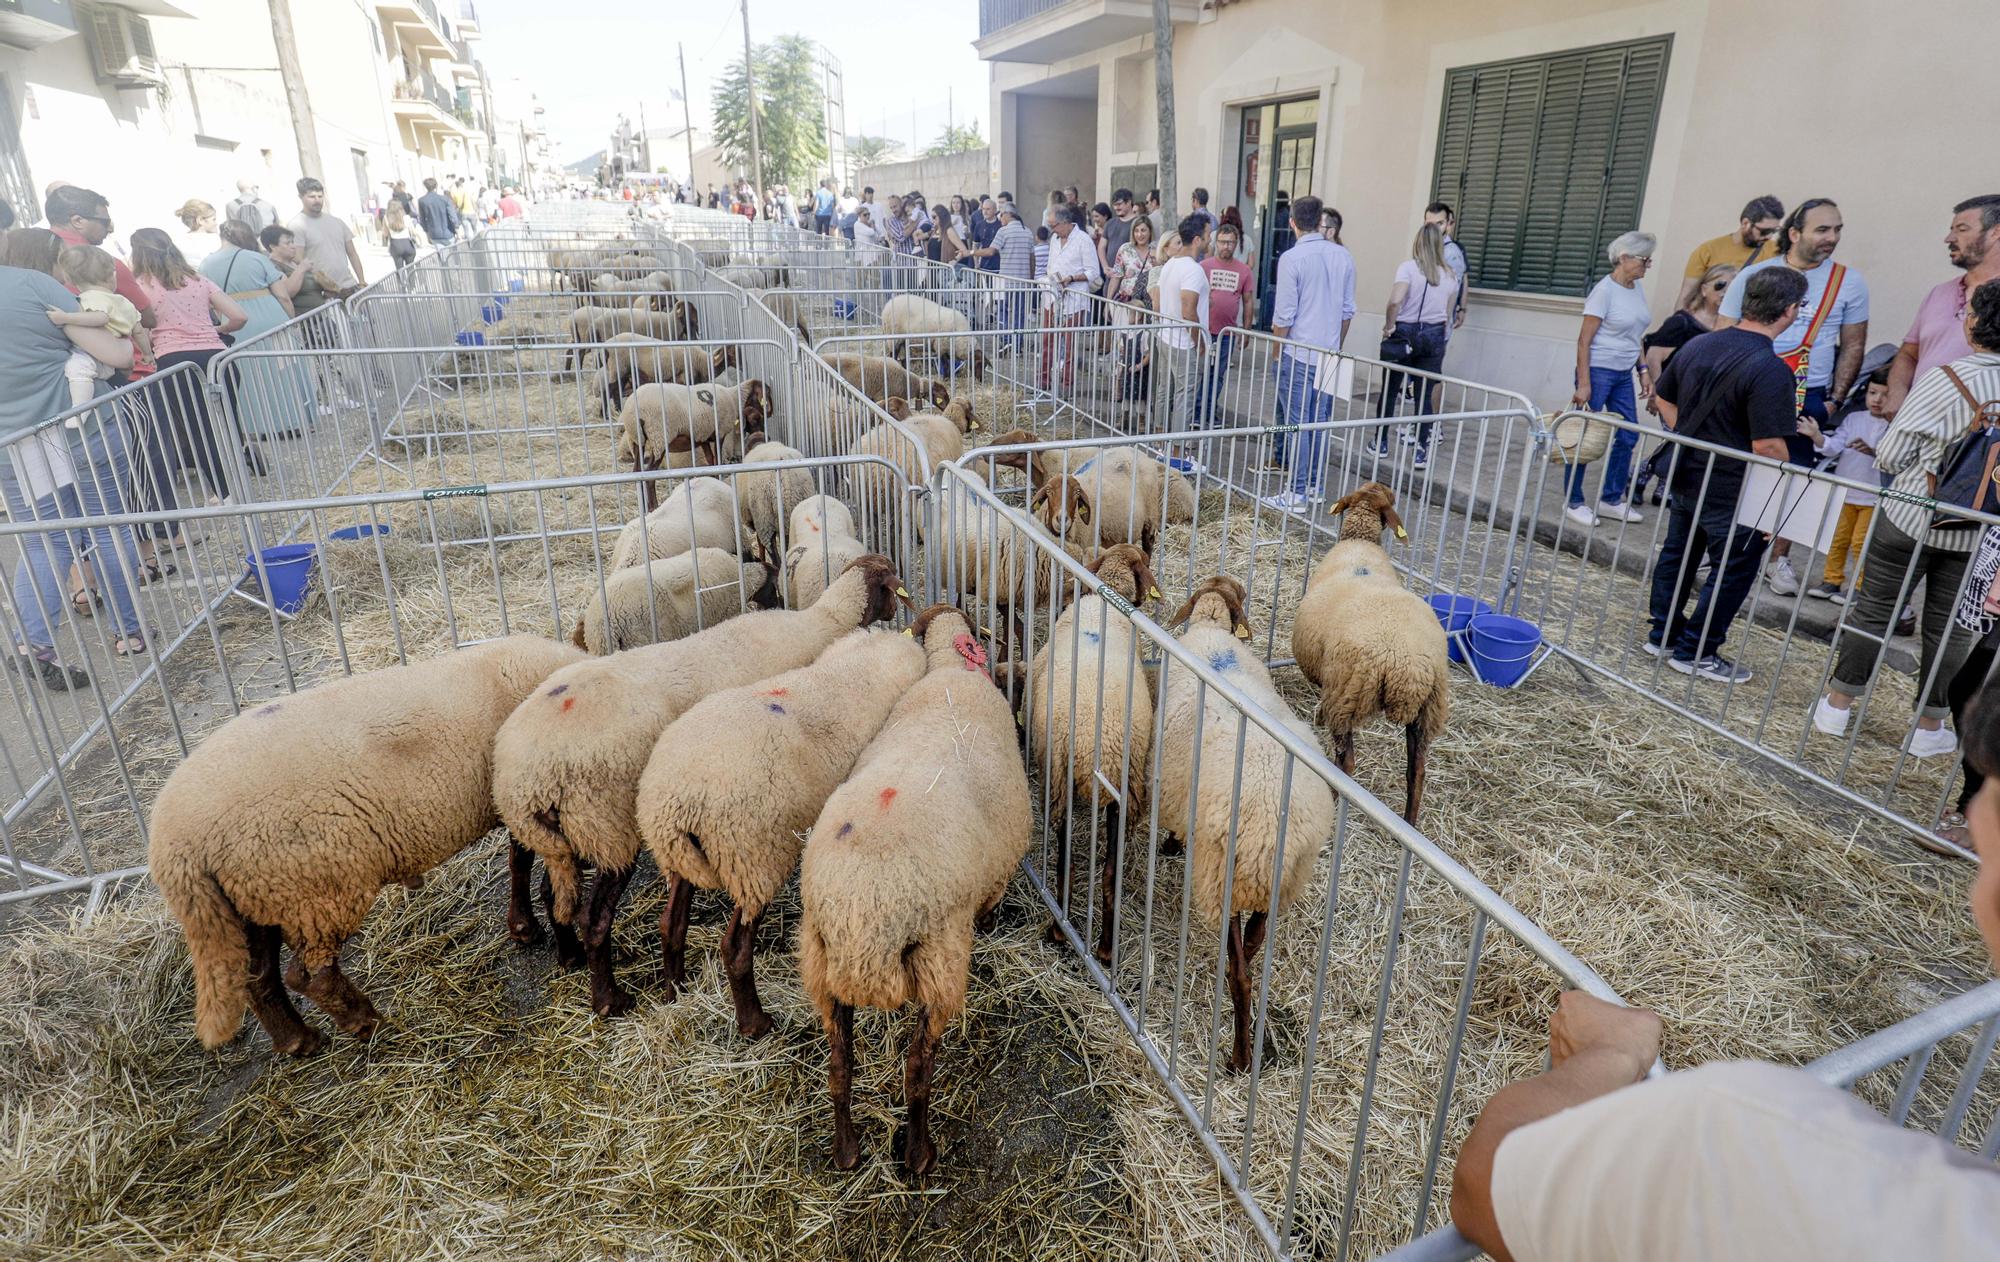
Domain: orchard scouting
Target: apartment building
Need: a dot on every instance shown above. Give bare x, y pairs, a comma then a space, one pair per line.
1553, 126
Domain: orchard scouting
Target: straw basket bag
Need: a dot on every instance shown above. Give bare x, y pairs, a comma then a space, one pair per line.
1580, 437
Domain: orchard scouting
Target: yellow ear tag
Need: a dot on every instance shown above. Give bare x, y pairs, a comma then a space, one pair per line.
903, 593
910, 631
1152, 593
1243, 633
1402, 533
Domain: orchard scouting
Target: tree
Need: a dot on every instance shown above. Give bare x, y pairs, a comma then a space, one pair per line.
867, 151
1163, 91
956, 140
791, 112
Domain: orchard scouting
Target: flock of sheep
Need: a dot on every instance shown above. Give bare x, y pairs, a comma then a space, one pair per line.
742, 741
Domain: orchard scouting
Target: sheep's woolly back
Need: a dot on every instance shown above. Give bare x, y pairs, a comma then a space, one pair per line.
1310, 816
814, 563
701, 513
914, 316
1129, 492
668, 600
769, 495
566, 763
680, 423
817, 515
882, 379
923, 836
1368, 644
736, 782
296, 813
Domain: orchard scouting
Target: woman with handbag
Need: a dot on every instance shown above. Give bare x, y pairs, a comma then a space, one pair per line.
1130, 283
1414, 335
1615, 317
1943, 447
268, 393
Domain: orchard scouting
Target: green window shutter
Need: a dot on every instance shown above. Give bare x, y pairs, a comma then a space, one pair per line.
1545, 160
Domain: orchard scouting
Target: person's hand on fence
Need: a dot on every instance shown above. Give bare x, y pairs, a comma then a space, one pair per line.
1809, 428
1582, 1024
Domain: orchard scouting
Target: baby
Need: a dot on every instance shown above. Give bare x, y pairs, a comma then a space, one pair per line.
99, 306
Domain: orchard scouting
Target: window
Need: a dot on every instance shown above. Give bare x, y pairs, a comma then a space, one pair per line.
1545, 161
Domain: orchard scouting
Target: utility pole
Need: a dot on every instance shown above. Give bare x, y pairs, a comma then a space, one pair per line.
1163, 84
750, 91
295, 89
687, 113
645, 141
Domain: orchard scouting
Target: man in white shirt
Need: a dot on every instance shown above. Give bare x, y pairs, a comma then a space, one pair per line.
1732, 1162
1073, 273
1311, 310
1180, 295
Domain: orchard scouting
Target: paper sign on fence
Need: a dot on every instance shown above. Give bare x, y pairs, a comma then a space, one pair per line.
1334, 375
1790, 506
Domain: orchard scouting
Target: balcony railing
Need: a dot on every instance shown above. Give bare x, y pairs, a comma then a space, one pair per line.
998, 15
424, 87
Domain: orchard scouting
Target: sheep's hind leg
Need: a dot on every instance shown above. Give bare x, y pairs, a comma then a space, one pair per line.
1239, 992
522, 926
1343, 750
739, 941
607, 997
569, 949
290, 1035
1419, 763
918, 1152
336, 996
840, 1084
674, 935
1107, 895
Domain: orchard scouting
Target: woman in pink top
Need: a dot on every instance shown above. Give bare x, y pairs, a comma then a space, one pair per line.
176, 431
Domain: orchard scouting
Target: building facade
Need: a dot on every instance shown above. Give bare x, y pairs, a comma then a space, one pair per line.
1552, 125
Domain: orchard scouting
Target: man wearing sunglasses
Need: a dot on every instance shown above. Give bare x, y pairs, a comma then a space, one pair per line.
82, 217
1754, 240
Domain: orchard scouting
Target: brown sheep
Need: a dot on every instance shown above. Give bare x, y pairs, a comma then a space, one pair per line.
685, 426
290, 818
882, 379
916, 846
631, 360
566, 763
943, 438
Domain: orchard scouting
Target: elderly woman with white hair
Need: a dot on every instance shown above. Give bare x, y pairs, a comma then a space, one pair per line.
1615, 317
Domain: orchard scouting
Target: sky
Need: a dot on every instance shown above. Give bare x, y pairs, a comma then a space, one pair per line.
586, 70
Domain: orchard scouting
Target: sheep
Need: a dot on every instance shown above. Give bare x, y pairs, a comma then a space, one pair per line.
767, 496
994, 558
1371, 646
712, 251
590, 324
1222, 805
883, 379
911, 318
1092, 712
289, 819
819, 514
823, 544
653, 288
566, 763
788, 310
943, 438
915, 848
684, 426
701, 513
666, 600
735, 782
630, 360
745, 277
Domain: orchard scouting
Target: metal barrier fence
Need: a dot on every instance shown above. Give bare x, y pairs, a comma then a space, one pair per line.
1337, 1112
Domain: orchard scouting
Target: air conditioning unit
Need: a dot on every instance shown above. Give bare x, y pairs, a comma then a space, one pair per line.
124, 48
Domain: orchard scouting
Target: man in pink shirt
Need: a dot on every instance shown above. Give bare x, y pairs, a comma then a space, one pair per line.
510, 206
1937, 335
1232, 303
81, 217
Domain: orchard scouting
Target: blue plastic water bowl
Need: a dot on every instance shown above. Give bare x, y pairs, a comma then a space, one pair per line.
352, 534
286, 576
516, 284
1453, 612
845, 308
1502, 648
471, 337
492, 312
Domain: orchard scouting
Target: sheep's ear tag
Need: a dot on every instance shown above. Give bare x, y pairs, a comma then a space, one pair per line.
1242, 633
910, 631
1402, 533
1152, 593
903, 592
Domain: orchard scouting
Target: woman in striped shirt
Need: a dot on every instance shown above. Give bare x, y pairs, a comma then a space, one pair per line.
1912, 538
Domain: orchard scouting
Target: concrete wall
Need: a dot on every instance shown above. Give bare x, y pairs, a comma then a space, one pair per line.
969, 173
1379, 68
1055, 145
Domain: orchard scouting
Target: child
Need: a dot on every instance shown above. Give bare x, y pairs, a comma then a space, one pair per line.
1041, 251
1852, 448
43, 458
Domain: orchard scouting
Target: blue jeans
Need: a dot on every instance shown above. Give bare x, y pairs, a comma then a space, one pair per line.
1300, 402
1210, 388
1014, 316
1611, 391
41, 578
1733, 551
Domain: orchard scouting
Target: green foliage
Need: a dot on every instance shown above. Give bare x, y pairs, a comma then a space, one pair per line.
956, 140
791, 113
868, 151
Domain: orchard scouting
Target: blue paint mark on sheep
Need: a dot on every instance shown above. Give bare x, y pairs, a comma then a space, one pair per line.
774, 707
268, 710
1361, 571
1093, 637
558, 690
1222, 663
845, 829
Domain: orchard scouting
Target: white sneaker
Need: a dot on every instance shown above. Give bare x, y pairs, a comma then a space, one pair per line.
1927, 742
1828, 718
1288, 502
1783, 579
1619, 512
1580, 514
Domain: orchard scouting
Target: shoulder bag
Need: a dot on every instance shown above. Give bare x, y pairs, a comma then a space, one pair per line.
1396, 348
1966, 476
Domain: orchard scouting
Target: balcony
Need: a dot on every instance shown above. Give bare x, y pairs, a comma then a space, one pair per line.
1046, 31
468, 20
428, 107
32, 23
420, 28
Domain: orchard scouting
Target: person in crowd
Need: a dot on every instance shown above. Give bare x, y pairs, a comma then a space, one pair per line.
1041, 252
1072, 275
1312, 308
1130, 284
1117, 229
1660, 347
1824, 346
1181, 296
1154, 213
79, 216
1615, 317
1978, 618
326, 241
1738, 1161
1233, 218
249, 208
822, 209
1754, 241
489, 203
1100, 216
399, 193
271, 396
200, 238
281, 246
1421, 301
959, 210
865, 233
899, 230
1728, 388
948, 244
1232, 304
437, 214
510, 205
1014, 261
984, 227
1446, 219
193, 314
1851, 447
401, 232
1937, 335
1198, 208
90, 272
1913, 541
461, 201
848, 208
34, 389
1331, 222
1072, 197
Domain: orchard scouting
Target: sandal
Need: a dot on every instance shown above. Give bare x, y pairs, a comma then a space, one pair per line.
151, 572
1951, 827
86, 602
133, 645
41, 664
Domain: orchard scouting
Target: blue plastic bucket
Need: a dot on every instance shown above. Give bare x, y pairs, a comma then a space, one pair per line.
471, 337
1453, 612
1502, 648
844, 308
492, 312
288, 571
366, 530
516, 284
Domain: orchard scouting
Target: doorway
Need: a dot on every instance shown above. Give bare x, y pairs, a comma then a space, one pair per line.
1279, 143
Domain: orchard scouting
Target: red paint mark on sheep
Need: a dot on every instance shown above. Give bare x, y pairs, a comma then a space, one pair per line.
567, 703
888, 796
776, 692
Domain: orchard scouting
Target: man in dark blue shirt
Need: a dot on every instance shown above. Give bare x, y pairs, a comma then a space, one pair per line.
1730, 389
984, 227
439, 217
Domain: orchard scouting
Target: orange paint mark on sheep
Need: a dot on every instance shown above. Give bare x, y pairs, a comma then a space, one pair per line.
776, 692
888, 796
567, 703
